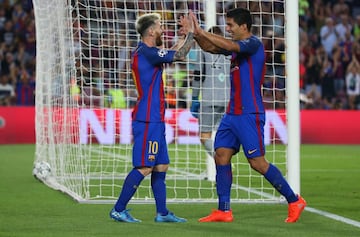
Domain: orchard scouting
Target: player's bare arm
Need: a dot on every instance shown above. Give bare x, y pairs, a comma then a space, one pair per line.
219, 43
188, 28
204, 43
178, 44
211, 42
181, 53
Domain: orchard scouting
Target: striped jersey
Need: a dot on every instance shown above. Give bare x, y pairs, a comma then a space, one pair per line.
247, 71
147, 68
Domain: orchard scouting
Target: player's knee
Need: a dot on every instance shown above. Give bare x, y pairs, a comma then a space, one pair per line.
161, 168
259, 164
145, 170
223, 156
204, 136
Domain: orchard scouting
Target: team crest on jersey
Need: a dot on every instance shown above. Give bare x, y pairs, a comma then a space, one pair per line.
151, 158
162, 52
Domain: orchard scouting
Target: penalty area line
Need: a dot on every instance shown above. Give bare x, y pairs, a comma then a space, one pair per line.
333, 216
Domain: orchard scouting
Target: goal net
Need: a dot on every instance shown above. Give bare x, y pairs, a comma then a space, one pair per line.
85, 95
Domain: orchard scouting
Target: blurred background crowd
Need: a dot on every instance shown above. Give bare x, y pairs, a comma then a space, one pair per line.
17, 53
329, 37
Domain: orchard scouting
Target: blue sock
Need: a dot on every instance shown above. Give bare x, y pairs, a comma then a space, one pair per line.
159, 190
223, 186
130, 186
274, 176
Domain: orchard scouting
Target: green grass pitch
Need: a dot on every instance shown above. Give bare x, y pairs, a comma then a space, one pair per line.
330, 176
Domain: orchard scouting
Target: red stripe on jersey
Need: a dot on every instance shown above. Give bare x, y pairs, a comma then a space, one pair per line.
136, 79
162, 101
263, 77
252, 84
237, 98
149, 101
258, 128
143, 148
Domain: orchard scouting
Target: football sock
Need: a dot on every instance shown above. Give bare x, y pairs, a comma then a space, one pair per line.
274, 176
223, 186
209, 146
159, 190
130, 186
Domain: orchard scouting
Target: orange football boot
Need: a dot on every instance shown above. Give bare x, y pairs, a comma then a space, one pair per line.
218, 216
295, 209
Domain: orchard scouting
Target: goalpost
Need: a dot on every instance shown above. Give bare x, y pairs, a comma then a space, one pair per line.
85, 95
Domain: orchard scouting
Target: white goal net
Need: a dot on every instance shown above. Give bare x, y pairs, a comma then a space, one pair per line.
85, 95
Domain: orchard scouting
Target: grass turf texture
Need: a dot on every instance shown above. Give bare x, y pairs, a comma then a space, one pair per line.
329, 181
182, 164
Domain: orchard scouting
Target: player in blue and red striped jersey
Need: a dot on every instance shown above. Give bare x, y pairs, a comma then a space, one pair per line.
150, 154
243, 123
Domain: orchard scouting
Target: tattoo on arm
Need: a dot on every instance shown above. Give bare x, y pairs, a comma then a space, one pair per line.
185, 48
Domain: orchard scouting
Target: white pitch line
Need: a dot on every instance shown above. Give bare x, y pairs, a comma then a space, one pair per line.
334, 216
313, 210
309, 209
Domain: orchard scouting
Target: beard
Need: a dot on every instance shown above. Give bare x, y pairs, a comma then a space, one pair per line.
158, 40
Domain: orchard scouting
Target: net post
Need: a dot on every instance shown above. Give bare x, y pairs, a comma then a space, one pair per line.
210, 11
293, 103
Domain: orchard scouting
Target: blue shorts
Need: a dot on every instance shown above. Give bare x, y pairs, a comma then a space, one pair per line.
245, 130
150, 148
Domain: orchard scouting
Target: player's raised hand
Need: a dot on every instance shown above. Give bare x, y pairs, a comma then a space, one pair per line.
186, 24
195, 21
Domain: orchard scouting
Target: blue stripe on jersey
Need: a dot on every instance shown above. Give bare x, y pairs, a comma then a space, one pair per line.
247, 75
147, 68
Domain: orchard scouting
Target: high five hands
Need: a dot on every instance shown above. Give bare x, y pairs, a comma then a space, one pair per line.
189, 23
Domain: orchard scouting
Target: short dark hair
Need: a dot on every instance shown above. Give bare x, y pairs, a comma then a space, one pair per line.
240, 16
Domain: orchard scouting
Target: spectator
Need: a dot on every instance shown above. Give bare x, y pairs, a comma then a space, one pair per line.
29, 38
25, 89
7, 93
2, 18
19, 17
318, 14
312, 77
339, 70
327, 79
322, 22
303, 7
343, 27
340, 7
7, 35
9, 64
116, 97
328, 35
353, 83
356, 28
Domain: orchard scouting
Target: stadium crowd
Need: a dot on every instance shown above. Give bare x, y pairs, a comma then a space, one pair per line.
17, 53
329, 37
